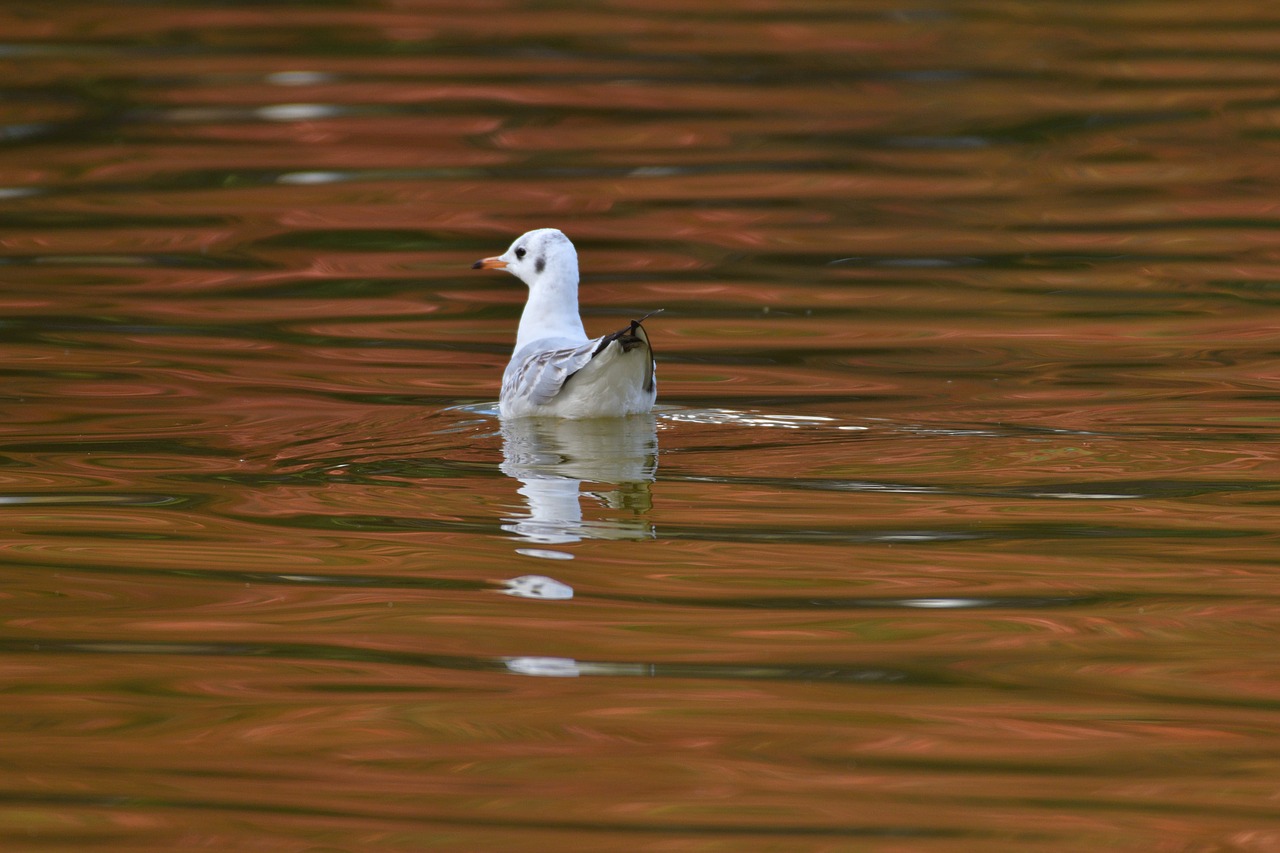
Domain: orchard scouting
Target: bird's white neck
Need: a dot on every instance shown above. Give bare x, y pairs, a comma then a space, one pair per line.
552, 309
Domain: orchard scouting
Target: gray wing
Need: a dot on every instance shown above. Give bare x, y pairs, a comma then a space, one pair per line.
540, 376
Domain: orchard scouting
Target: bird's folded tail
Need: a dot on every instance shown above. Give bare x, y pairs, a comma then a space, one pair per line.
630, 338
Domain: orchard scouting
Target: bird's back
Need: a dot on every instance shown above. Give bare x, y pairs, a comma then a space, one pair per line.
610, 376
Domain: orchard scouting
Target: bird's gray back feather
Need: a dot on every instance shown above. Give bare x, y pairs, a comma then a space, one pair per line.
540, 376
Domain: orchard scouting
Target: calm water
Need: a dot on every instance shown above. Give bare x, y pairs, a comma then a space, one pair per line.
956, 529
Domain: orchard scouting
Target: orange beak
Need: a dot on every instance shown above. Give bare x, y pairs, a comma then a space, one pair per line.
489, 264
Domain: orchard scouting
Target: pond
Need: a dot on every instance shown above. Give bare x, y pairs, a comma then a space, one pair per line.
955, 527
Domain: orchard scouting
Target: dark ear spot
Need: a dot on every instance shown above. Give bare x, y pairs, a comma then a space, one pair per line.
540, 264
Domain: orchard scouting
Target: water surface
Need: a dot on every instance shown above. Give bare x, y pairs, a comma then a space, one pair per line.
955, 528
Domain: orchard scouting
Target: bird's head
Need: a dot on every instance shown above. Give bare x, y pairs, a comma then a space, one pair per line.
544, 255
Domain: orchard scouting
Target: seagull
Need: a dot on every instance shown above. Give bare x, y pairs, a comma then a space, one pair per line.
556, 370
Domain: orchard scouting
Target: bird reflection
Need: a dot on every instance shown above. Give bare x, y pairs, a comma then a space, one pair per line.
553, 457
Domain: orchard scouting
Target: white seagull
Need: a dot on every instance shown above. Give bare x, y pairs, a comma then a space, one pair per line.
556, 370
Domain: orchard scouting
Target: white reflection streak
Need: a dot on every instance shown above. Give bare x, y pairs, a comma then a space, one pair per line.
544, 667
548, 667
757, 419
312, 178
298, 112
553, 457
538, 586
945, 603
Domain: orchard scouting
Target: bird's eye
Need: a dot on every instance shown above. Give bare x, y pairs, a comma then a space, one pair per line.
520, 252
